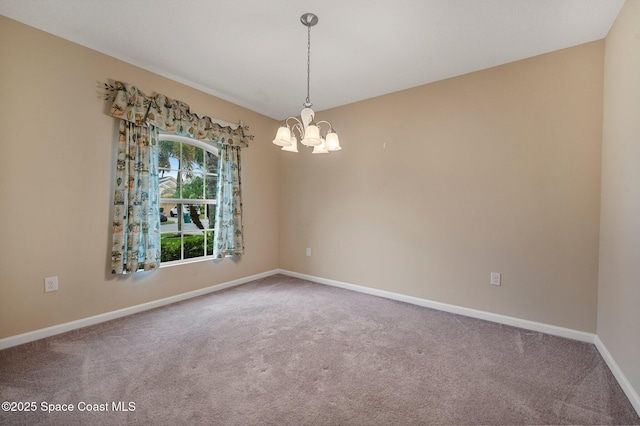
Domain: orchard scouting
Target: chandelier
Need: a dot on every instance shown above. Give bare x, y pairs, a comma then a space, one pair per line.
307, 129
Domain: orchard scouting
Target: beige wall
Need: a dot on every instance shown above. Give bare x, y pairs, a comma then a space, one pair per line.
494, 171
619, 288
436, 187
56, 167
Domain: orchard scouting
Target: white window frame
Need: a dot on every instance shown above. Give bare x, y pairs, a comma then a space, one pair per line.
182, 201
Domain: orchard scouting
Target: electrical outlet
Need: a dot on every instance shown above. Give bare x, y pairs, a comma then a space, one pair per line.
50, 284
308, 251
495, 278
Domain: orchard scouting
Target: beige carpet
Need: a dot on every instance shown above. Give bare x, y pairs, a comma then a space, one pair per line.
282, 351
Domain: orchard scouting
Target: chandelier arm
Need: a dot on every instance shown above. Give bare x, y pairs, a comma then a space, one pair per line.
299, 128
325, 122
292, 118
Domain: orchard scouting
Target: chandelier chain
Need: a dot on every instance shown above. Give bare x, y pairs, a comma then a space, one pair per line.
308, 103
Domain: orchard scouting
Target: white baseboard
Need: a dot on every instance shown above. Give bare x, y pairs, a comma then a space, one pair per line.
626, 386
19, 339
474, 313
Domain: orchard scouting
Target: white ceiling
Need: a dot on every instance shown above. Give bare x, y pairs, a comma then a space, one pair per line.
254, 52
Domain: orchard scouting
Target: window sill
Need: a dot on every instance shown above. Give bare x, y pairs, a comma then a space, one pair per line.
185, 261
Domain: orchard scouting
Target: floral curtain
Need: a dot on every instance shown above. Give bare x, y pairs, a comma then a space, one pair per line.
228, 236
136, 217
136, 233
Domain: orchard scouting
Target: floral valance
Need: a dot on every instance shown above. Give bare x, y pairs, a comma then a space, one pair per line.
170, 115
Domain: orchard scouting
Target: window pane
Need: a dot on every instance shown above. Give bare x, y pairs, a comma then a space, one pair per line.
211, 216
164, 217
199, 161
192, 158
192, 185
170, 247
209, 237
210, 187
193, 245
169, 155
198, 217
211, 162
168, 184
174, 209
192, 217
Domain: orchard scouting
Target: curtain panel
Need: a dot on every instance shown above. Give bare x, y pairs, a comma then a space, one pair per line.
228, 235
136, 214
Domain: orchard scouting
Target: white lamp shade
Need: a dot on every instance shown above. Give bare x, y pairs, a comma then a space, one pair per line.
311, 136
283, 137
294, 145
320, 149
333, 143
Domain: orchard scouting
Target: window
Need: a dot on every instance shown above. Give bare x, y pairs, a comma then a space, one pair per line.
187, 187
